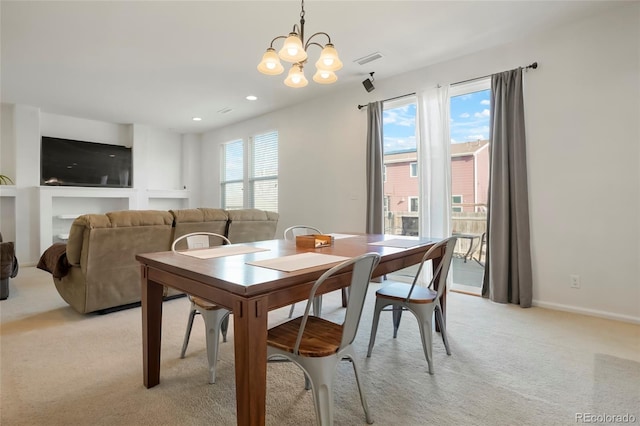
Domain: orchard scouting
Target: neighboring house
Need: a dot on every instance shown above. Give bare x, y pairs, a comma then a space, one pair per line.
469, 178
401, 181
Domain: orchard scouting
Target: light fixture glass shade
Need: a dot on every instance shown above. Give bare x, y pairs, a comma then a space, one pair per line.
270, 63
329, 59
325, 77
292, 50
296, 77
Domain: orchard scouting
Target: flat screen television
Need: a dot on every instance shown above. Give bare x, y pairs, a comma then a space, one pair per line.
70, 162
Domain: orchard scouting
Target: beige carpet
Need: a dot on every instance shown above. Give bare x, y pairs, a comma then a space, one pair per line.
509, 366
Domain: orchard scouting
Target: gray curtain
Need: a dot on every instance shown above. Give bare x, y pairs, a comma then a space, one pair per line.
507, 275
375, 224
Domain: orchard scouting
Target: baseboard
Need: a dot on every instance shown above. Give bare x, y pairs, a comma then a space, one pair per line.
584, 311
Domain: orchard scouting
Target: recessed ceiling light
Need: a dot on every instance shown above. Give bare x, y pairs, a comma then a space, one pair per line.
197, 119
251, 98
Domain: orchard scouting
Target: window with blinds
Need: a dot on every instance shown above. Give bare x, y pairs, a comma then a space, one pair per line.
260, 177
263, 181
232, 180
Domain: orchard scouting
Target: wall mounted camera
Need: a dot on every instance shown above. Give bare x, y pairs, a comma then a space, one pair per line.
368, 83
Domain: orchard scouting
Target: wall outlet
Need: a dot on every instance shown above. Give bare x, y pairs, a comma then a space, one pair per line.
574, 281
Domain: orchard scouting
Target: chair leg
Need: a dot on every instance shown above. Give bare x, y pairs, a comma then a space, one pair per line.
187, 333
397, 315
291, 310
321, 377
307, 382
374, 325
317, 306
213, 323
363, 399
443, 330
345, 296
426, 335
224, 327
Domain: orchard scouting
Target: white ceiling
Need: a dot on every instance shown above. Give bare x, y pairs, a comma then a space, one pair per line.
162, 63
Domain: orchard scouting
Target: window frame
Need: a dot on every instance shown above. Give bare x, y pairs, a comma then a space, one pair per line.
413, 169
248, 172
410, 209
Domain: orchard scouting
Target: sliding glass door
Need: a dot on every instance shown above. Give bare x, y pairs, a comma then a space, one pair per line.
470, 145
401, 174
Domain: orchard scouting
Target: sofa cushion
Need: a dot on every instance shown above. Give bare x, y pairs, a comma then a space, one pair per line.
249, 225
139, 218
186, 221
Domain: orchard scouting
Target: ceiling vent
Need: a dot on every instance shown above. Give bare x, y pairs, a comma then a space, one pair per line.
225, 110
369, 58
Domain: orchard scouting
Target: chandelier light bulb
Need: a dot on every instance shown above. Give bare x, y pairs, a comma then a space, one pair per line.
292, 50
325, 77
296, 77
329, 59
270, 64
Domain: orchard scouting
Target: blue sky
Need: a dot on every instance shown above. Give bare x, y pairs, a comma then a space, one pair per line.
469, 121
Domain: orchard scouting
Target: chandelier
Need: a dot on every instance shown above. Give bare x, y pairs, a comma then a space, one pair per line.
294, 50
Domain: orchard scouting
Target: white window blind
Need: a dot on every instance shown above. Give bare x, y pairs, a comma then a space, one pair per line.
263, 180
232, 180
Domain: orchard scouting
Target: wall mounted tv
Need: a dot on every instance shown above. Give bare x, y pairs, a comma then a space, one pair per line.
78, 163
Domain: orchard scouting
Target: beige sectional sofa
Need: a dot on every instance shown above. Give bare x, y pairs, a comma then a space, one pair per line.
102, 270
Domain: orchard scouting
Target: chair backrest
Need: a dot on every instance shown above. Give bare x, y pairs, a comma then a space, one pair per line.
201, 240
292, 232
441, 272
363, 266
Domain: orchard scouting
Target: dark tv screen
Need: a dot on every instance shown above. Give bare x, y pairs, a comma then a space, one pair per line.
78, 163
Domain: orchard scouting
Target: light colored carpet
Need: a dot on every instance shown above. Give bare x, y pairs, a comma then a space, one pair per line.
508, 366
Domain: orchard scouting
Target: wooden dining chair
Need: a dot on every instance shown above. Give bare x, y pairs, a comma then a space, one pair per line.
317, 345
421, 301
216, 318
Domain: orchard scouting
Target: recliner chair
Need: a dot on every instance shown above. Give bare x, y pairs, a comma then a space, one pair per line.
8, 266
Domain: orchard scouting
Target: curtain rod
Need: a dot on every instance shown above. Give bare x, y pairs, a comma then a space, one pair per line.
532, 66
390, 99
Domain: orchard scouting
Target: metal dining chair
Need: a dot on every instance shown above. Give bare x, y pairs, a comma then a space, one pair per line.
317, 345
290, 234
216, 318
423, 302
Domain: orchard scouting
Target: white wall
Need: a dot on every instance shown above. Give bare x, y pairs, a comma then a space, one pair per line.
582, 109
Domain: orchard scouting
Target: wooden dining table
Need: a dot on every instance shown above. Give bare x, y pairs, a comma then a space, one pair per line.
250, 292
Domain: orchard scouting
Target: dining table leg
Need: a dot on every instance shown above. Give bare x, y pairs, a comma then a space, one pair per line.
250, 337
151, 298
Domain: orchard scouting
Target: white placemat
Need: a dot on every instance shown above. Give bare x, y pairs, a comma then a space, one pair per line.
398, 242
221, 251
340, 236
296, 262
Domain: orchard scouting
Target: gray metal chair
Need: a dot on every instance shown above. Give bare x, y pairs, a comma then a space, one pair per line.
421, 301
317, 345
216, 318
290, 234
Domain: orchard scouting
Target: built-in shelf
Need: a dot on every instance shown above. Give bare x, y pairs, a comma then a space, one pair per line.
60, 205
7, 190
68, 216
